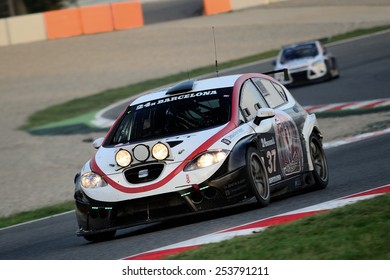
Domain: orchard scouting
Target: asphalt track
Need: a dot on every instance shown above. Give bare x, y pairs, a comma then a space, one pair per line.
354, 168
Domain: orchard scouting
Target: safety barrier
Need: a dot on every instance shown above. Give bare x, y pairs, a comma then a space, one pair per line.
71, 22
127, 15
25, 29
212, 7
4, 40
63, 23
95, 19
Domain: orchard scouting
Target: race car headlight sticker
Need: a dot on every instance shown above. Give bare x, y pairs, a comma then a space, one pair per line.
160, 151
92, 180
207, 159
123, 158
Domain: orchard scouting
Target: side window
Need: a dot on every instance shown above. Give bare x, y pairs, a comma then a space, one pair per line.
273, 95
281, 91
250, 100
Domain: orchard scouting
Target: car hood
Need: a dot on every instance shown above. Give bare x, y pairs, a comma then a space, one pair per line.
297, 63
181, 148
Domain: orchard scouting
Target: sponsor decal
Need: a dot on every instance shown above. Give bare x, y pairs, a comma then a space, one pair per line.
230, 137
266, 143
275, 179
289, 144
175, 98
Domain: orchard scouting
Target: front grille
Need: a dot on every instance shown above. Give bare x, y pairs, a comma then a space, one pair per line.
144, 173
299, 76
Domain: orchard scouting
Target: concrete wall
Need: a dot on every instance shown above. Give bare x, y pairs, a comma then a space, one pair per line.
26, 29
4, 40
244, 4
95, 19
71, 22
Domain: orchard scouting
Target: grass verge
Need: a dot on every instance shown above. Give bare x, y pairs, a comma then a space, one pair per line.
80, 106
355, 232
36, 214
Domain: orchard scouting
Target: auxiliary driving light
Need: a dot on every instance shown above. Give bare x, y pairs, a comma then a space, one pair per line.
160, 151
123, 158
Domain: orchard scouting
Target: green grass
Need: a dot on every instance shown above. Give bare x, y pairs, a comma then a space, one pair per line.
93, 103
36, 214
355, 232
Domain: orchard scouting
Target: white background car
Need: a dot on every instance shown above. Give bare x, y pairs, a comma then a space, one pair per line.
306, 62
199, 146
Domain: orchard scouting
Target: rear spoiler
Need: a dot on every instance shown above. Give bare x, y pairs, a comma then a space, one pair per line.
285, 72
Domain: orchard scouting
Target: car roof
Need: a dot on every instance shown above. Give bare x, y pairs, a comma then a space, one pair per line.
198, 85
316, 41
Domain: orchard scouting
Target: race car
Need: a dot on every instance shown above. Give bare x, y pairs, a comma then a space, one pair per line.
198, 146
306, 62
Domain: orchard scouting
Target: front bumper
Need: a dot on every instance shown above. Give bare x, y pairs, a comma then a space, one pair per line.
303, 75
218, 192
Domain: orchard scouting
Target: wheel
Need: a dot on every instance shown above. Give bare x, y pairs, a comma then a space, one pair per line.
103, 236
328, 76
336, 72
320, 171
257, 177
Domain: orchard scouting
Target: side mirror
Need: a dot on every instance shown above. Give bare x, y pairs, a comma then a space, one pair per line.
98, 142
262, 114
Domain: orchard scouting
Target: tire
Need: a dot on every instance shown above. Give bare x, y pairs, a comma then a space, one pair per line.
336, 69
328, 76
257, 177
103, 236
320, 171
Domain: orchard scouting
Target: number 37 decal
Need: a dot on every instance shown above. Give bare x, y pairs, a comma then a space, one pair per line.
271, 159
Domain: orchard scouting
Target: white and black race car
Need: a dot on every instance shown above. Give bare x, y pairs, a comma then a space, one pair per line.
198, 146
306, 62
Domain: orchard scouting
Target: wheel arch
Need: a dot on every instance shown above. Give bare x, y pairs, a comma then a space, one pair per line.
236, 158
310, 126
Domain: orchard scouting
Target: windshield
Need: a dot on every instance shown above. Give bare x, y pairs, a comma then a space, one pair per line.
173, 115
297, 52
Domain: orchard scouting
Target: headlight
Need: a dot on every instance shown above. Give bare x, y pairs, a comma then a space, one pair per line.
92, 180
319, 66
207, 159
160, 151
123, 158
279, 76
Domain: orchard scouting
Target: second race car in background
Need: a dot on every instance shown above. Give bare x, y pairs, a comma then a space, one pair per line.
306, 62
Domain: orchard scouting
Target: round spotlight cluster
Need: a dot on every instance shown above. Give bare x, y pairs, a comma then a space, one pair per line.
141, 153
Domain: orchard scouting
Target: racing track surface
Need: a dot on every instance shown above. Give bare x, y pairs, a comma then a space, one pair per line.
353, 168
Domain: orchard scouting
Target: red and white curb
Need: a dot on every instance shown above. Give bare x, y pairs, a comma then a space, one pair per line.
258, 226
348, 106
355, 138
